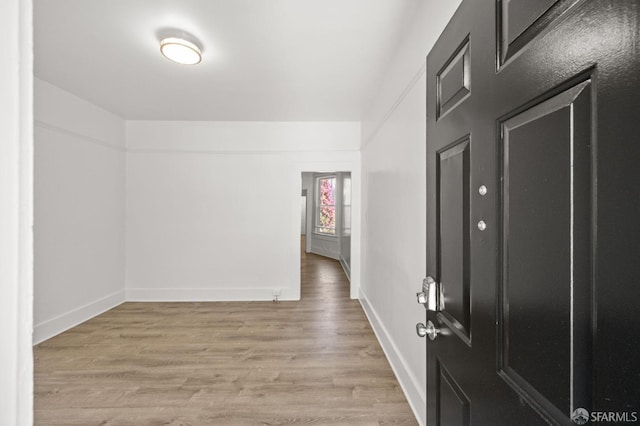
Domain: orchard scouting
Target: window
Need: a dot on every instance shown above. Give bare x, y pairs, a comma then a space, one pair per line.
346, 203
325, 221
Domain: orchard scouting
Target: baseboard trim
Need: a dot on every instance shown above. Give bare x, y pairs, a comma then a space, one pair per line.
408, 382
61, 323
335, 255
209, 294
345, 267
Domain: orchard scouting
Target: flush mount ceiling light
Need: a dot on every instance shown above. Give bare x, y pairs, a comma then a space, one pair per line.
180, 51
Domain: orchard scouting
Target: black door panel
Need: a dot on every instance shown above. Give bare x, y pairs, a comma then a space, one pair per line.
454, 80
546, 219
533, 167
521, 21
453, 229
453, 404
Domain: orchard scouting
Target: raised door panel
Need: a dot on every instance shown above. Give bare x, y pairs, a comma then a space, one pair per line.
454, 80
521, 21
453, 179
547, 210
452, 403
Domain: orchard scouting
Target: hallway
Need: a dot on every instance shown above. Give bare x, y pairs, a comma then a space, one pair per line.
315, 361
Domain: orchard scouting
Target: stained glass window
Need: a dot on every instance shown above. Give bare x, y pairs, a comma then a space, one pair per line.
325, 222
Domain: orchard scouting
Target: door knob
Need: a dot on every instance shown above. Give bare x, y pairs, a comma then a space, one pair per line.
428, 330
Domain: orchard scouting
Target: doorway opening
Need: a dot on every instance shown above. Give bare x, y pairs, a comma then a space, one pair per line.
325, 231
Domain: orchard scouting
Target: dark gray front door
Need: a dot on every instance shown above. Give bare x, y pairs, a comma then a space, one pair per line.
533, 213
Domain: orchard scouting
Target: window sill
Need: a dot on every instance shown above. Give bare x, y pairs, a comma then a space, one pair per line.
324, 236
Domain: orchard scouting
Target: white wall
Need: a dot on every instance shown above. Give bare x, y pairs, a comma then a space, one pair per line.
345, 225
79, 210
213, 208
394, 202
16, 218
303, 214
307, 184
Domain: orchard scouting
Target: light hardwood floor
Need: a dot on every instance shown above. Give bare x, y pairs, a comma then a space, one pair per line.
316, 362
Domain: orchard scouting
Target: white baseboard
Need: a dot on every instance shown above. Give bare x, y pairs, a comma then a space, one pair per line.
54, 326
408, 382
208, 294
335, 255
345, 267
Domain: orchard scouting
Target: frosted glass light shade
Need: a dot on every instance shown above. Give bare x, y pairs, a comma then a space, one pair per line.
180, 51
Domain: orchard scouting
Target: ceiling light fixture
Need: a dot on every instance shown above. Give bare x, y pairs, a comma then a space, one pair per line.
180, 51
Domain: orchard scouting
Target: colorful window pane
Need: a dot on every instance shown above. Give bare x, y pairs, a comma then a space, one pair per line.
326, 206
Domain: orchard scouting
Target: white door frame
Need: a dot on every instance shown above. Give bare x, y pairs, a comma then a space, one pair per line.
340, 166
16, 213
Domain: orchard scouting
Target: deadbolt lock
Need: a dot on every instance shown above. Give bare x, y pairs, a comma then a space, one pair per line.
431, 296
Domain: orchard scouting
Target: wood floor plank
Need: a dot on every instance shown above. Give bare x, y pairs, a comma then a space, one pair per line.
315, 361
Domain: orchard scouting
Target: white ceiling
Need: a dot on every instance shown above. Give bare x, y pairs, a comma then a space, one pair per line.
263, 60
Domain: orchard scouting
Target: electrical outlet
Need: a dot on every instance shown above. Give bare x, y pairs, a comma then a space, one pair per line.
276, 292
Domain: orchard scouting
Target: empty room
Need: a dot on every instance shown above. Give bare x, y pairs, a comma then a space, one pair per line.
337, 212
